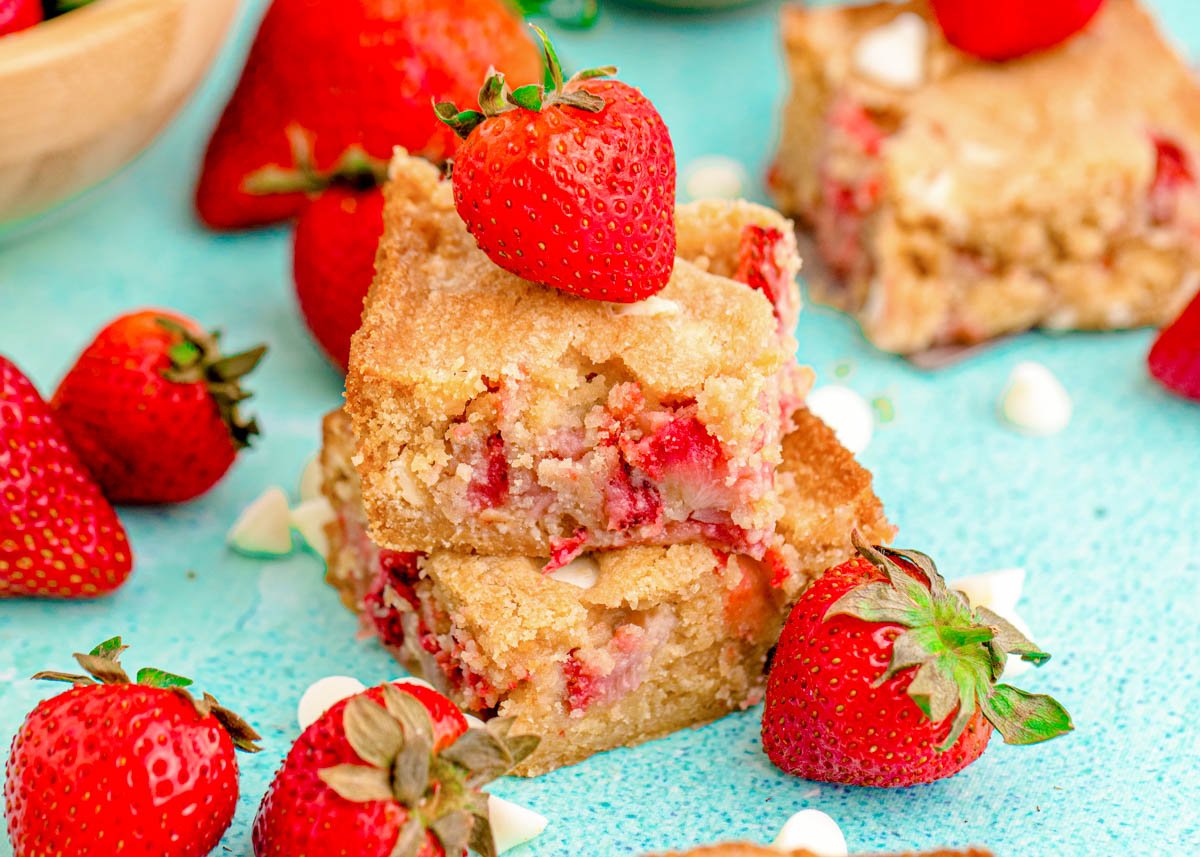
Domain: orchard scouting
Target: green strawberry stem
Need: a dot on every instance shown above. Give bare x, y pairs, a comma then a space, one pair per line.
197, 358
441, 791
958, 653
355, 168
496, 98
103, 666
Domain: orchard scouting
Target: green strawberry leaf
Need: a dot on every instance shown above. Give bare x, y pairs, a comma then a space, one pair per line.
492, 98
153, 677
1025, 718
1010, 639
528, 97
553, 66
110, 648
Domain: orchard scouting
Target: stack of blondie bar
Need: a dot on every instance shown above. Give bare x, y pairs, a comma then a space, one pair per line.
591, 517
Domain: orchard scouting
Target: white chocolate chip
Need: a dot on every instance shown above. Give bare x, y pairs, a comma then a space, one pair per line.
582, 572
310, 480
1034, 401
894, 54
309, 519
323, 694
996, 590
512, 824
651, 306
846, 412
264, 527
714, 177
999, 591
981, 154
473, 722
813, 831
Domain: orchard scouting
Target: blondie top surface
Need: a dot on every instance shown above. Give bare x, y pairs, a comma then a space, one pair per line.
1032, 134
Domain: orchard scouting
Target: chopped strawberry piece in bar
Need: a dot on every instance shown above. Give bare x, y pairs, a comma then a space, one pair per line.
564, 551
489, 487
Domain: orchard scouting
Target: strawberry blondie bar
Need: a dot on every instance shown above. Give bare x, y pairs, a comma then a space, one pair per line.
954, 200
502, 417
620, 646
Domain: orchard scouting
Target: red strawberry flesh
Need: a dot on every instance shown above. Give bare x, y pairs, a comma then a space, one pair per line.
59, 536
1175, 356
1006, 29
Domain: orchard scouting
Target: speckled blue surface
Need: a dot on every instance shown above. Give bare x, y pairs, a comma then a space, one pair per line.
1105, 516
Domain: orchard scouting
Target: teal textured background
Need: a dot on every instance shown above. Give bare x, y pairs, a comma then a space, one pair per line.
1105, 516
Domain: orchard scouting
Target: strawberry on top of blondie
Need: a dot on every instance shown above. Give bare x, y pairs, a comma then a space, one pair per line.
502, 417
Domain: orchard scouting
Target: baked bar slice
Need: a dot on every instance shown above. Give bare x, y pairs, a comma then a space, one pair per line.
738, 849
506, 418
620, 646
953, 200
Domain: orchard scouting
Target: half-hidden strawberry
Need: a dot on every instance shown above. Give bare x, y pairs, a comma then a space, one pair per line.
59, 537
1175, 356
16, 15
337, 234
884, 676
152, 407
136, 767
571, 186
351, 73
1006, 29
391, 772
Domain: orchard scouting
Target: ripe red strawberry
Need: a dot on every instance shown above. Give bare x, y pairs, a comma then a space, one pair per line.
334, 263
19, 15
572, 187
1006, 29
392, 772
58, 535
885, 677
146, 765
351, 72
151, 407
1175, 357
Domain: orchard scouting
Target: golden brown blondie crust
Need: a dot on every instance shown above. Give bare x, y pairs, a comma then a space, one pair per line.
501, 637
1057, 190
500, 416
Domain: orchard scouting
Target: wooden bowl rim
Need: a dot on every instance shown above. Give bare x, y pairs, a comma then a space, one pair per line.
79, 31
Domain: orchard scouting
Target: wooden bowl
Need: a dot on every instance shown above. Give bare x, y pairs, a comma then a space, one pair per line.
83, 93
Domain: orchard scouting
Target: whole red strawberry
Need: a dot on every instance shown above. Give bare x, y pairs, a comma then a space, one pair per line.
146, 765
59, 537
351, 72
1006, 29
885, 677
573, 187
1175, 357
334, 263
19, 15
392, 772
151, 407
